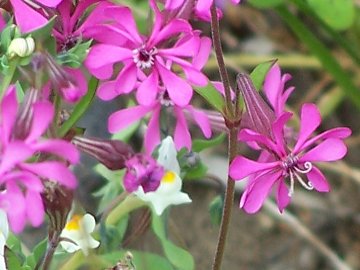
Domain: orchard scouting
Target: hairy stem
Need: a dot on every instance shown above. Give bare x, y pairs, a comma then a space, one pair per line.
220, 59
52, 245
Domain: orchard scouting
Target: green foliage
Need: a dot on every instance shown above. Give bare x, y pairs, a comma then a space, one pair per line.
200, 145
111, 189
266, 3
37, 254
338, 14
323, 54
112, 235
258, 74
75, 56
179, 257
212, 96
80, 108
215, 209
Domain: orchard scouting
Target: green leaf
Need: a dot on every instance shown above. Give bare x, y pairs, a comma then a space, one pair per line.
338, 14
37, 254
112, 235
323, 54
215, 209
43, 33
197, 172
75, 56
258, 74
80, 108
6, 37
265, 3
12, 261
14, 243
212, 96
200, 145
141, 260
179, 257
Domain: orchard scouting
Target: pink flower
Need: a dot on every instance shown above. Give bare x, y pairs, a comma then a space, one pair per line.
71, 26
142, 170
274, 86
150, 56
278, 162
23, 10
21, 139
123, 118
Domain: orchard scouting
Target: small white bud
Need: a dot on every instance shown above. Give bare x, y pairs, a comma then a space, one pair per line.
21, 47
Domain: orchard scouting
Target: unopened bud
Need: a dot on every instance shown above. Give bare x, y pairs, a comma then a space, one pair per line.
21, 47
112, 153
57, 201
258, 116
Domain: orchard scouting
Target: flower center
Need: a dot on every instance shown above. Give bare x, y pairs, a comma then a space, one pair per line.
73, 223
292, 167
165, 99
169, 177
143, 57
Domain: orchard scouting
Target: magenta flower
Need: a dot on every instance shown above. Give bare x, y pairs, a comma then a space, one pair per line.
23, 10
22, 180
142, 170
274, 86
279, 163
151, 56
71, 26
123, 118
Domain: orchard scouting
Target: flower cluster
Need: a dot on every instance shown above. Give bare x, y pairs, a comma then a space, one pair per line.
28, 159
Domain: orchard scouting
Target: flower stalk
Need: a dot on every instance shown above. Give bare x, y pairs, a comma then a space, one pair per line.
232, 117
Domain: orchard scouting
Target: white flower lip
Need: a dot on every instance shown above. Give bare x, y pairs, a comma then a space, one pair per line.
169, 192
78, 229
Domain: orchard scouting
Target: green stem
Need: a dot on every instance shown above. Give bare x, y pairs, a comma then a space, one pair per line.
74, 262
128, 205
8, 77
228, 204
80, 108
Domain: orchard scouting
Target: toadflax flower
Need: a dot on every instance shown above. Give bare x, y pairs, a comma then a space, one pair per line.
21, 138
169, 192
152, 56
77, 234
280, 163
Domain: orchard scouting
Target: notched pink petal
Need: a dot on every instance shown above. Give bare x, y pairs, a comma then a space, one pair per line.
123, 118
242, 167
182, 137
258, 191
43, 113
283, 198
310, 120
318, 180
328, 150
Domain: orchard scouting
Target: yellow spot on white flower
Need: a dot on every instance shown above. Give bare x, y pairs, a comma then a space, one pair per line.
169, 177
73, 223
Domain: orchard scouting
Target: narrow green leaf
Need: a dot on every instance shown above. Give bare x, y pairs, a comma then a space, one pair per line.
179, 257
338, 14
265, 3
258, 74
324, 55
12, 261
80, 108
212, 96
200, 145
37, 254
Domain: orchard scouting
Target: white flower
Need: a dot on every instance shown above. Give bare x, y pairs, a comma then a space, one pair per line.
78, 230
4, 232
169, 191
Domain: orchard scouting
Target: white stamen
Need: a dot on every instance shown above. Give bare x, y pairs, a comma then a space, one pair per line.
307, 186
140, 53
307, 166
